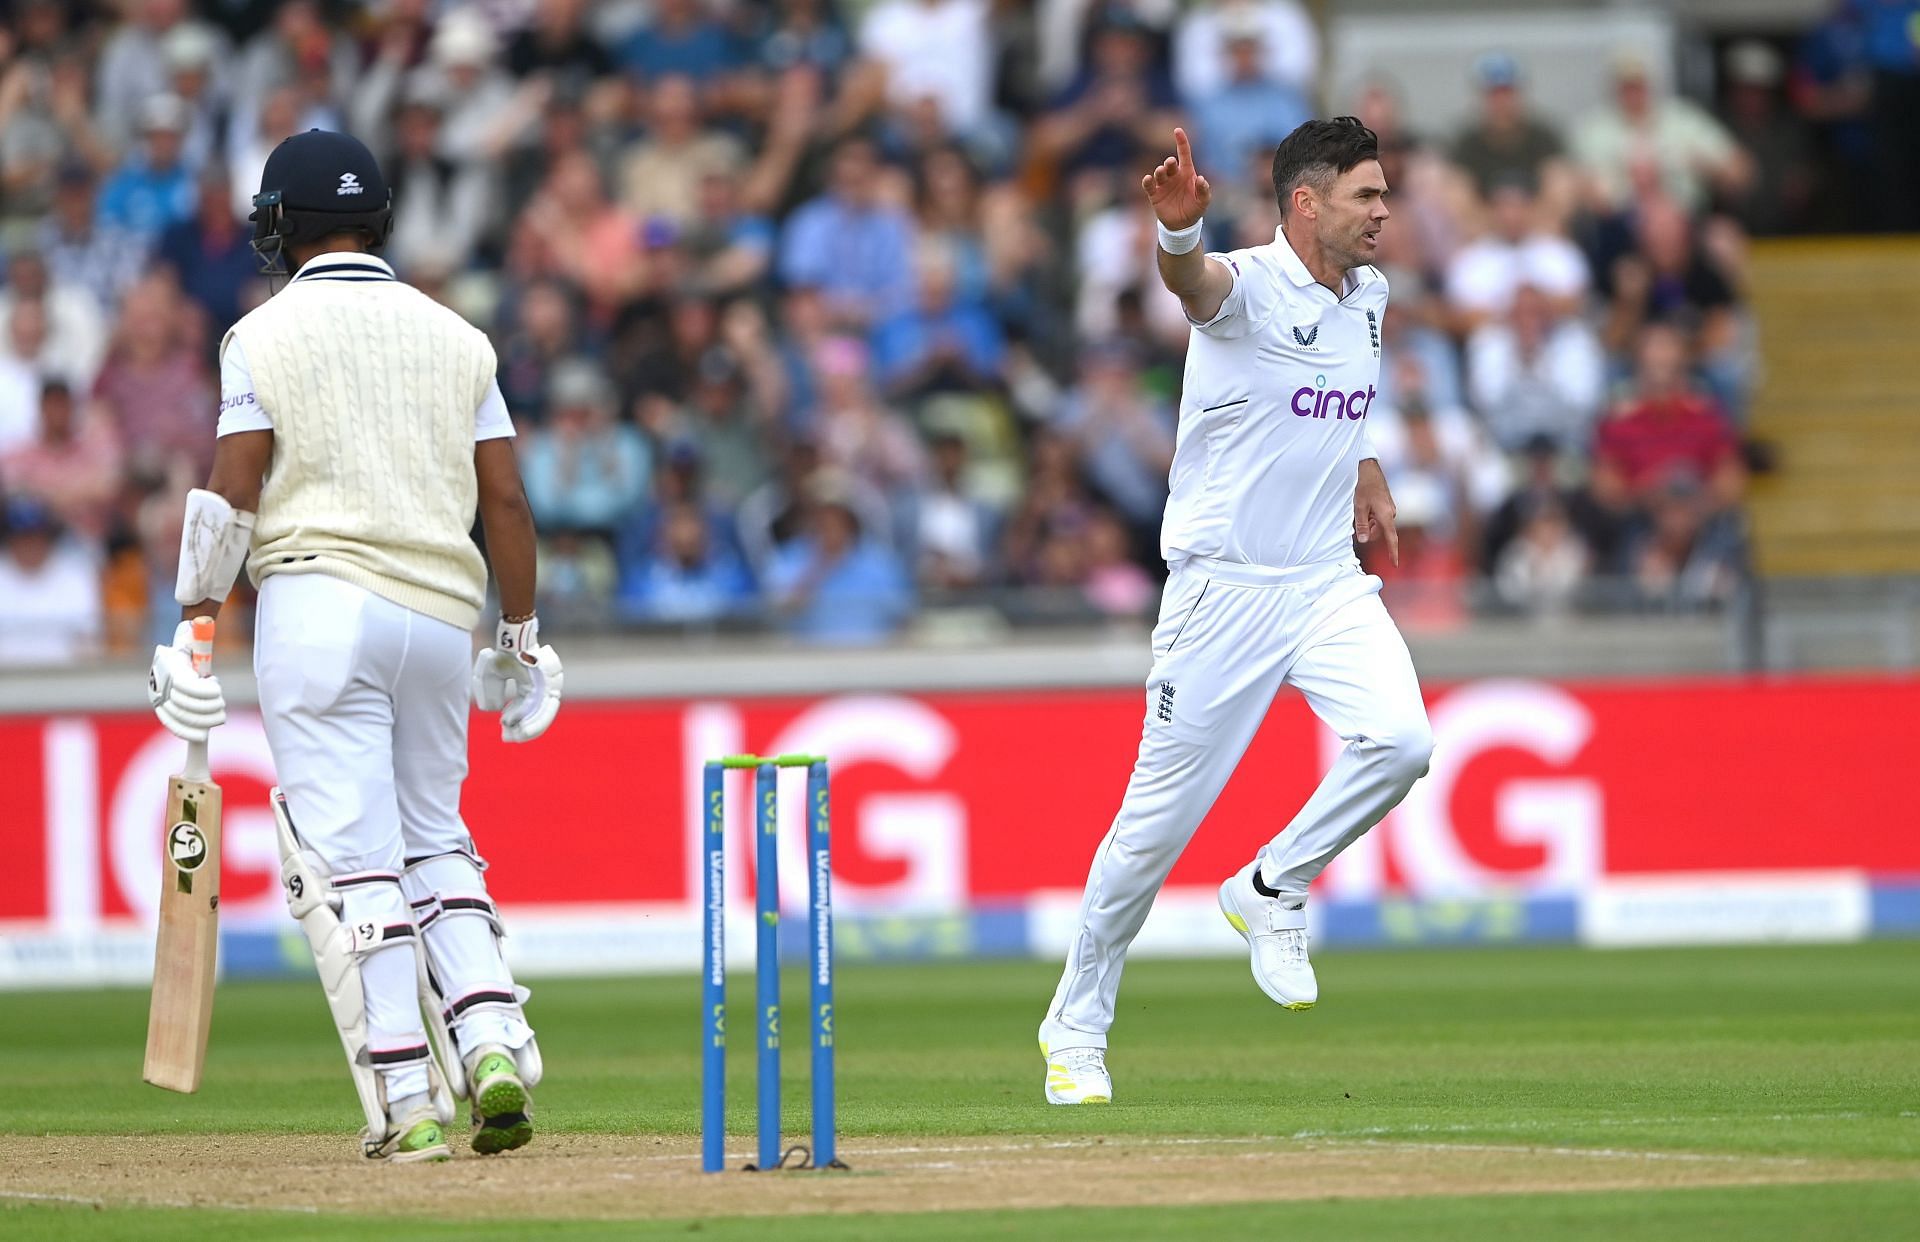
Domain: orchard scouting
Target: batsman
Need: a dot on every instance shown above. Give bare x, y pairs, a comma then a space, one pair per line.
360, 429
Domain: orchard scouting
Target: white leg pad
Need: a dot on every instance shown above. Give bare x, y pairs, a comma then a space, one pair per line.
315, 898
479, 1001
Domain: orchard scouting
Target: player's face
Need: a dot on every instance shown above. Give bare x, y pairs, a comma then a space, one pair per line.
1352, 214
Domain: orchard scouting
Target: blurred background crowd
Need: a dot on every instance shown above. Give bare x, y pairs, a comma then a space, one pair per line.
840, 318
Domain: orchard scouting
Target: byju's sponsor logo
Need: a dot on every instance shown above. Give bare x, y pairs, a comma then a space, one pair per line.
1306, 337
1320, 401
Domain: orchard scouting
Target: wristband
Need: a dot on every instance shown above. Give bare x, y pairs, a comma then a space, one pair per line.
1179, 241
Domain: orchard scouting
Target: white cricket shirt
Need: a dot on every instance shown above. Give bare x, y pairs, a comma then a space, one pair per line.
1273, 415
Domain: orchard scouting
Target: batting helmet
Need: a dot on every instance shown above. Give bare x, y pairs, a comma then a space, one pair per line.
316, 184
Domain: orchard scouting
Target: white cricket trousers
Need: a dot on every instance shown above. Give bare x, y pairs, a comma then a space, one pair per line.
1229, 636
365, 705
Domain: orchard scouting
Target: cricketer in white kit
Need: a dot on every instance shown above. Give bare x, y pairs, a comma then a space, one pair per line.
360, 430
1273, 480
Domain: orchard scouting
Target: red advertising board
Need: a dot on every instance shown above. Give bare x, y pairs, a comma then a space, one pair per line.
945, 800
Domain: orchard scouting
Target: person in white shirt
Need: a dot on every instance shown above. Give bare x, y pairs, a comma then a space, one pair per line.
1273, 482
52, 589
1485, 274
361, 429
938, 49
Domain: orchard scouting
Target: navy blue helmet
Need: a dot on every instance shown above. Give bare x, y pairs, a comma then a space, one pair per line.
316, 184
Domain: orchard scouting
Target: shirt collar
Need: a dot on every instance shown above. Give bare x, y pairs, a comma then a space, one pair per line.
1297, 271
345, 265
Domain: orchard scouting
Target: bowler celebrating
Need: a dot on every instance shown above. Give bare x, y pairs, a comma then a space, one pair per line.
360, 430
1273, 480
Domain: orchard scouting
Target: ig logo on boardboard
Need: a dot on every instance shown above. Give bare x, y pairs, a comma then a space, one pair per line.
186, 846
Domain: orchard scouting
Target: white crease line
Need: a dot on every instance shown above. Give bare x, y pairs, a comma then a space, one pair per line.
143, 1201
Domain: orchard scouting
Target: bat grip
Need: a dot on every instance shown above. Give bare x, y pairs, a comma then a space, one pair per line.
200, 649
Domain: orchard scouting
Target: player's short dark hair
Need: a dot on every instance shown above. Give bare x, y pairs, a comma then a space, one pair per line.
1318, 151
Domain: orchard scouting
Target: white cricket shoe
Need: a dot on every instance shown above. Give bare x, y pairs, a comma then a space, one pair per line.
1078, 1076
1276, 939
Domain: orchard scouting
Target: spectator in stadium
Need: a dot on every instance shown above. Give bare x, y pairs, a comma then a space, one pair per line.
834, 584
1053, 500
194, 74
80, 250
941, 344
557, 44
1542, 488
52, 588
682, 37
297, 47
1689, 554
1114, 583
953, 529
585, 471
1520, 249
1778, 198
857, 434
153, 190
483, 113
687, 575
728, 246
1687, 153
72, 465
211, 256
21, 378
850, 243
573, 232
1252, 109
43, 120
937, 51
1534, 373
805, 34
1123, 436
155, 383
1289, 44
661, 176
539, 329
75, 336
440, 207
1669, 278
1890, 47
133, 65
723, 425
1543, 566
1664, 428
578, 577
1119, 108
1506, 143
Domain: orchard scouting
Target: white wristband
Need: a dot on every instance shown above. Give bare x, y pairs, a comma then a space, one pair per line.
1179, 241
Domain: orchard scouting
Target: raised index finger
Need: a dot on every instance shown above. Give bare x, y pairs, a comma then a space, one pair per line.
1181, 150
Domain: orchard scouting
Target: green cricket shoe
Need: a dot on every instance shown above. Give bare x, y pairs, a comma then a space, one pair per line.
502, 1106
422, 1140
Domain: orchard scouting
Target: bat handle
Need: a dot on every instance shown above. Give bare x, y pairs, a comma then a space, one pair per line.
201, 647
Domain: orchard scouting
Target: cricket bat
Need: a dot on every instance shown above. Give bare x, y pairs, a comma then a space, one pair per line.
183, 958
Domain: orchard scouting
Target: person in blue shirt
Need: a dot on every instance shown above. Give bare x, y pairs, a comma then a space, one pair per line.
212, 255
681, 38
835, 586
1249, 115
942, 344
154, 190
586, 471
687, 576
848, 243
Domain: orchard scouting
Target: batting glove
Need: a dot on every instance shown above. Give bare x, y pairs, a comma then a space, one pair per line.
520, 678
187, 703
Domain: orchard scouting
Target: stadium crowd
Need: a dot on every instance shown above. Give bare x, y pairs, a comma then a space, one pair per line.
824, 315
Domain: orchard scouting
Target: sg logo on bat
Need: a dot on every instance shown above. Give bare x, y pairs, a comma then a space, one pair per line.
186, 846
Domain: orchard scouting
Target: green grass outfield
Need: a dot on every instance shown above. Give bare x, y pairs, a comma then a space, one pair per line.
1785, 1051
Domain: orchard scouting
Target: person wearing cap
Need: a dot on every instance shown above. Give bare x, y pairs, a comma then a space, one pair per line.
586, 471
154, 190
1506, 142
133, 64
1289, 44
361, 430
81, 250
1253, 109
1646, 134
52, 588
1754, 109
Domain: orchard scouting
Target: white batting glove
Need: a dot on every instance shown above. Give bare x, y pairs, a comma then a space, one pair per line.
520, 678
187, 703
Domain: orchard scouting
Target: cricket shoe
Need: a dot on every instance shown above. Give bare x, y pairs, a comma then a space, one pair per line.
501, 1104
1078, 1076
1276, 937
418, 1138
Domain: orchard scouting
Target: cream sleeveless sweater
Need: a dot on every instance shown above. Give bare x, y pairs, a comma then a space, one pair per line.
372, 388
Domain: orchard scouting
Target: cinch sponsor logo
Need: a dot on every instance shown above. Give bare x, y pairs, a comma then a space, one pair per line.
1319, 401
